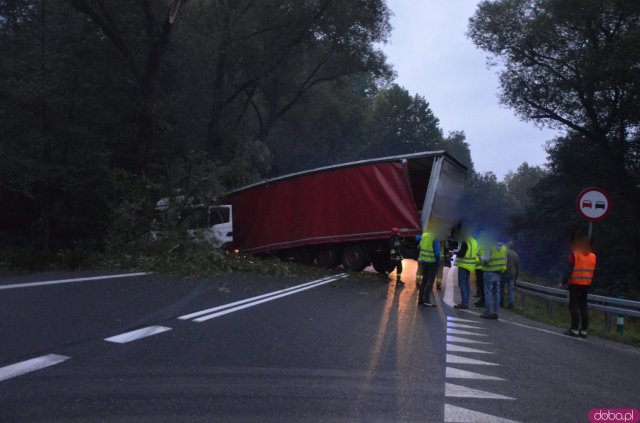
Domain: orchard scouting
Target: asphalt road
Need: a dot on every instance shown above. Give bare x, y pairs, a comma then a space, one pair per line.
137, 348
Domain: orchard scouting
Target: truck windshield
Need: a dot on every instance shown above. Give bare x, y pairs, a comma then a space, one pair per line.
218, 215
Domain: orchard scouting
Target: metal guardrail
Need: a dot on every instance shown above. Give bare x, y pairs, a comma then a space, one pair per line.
608, 305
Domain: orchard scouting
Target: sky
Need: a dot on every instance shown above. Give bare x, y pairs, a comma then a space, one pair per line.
433, 57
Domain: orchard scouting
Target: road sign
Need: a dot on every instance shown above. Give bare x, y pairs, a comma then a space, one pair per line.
593, 204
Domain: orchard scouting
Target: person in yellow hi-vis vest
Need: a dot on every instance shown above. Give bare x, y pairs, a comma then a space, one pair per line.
494, 264
429, 261
466, 263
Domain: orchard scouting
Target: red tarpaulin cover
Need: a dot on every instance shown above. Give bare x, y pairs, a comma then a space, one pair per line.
344, 204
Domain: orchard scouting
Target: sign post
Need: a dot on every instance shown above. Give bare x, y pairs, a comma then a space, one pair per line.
593, 204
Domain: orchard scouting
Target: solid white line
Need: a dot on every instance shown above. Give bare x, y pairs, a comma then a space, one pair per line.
453, 414
60, 281
451, 338
456, 359
123, 338
452, 373
451, 390
31, 365
459, 348
255, 303
464, 332
248, 300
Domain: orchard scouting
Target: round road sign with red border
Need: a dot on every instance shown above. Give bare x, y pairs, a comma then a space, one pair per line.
593, 204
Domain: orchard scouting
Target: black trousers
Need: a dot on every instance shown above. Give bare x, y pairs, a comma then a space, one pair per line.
397, 264
429, 273
480, 284
578, 306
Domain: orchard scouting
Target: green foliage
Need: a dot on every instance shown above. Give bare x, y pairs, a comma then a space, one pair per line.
573, 64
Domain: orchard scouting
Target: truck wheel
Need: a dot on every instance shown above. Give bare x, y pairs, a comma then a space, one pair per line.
304, 256
354, 258
328, 257
381, 262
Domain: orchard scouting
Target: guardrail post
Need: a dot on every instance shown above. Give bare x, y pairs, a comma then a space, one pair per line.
607, 321
620, 322
549, 308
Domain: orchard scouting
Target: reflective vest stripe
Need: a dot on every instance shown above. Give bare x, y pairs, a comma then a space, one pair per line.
498, 261
468, 262
584, 266
426, 248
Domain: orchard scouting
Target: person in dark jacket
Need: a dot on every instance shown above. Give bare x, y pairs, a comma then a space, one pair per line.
395, 254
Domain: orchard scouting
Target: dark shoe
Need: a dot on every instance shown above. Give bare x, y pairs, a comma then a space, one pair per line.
572, 333
429, 304
494, 317
459, 306
479, 304
486, 316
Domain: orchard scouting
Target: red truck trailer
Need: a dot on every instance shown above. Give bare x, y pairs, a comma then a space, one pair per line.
343, 214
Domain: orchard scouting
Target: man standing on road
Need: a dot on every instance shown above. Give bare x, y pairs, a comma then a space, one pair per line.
510, 276
581, 267
494, 265
429, 262
466, 263
395, 250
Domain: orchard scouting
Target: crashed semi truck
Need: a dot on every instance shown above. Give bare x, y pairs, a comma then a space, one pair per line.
343, 214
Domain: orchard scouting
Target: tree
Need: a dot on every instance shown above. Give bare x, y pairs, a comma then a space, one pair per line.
520, 183
571, 64
401, 123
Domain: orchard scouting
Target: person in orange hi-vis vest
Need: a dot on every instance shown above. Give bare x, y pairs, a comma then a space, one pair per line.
581, 267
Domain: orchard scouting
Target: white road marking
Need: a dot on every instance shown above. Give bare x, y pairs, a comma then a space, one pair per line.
451, 390
27, 366
451, 338
460, 348
255, 303
134, 335
452, 373
453, 414
457, 319
248, 300
464, 332
61, 281
460, 325
451, 274
456, 359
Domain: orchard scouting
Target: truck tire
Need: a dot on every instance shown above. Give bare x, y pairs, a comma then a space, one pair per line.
381, 262
304, 256
329, 257
354, 258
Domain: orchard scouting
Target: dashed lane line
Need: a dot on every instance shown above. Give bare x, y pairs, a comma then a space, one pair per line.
462, 326
464, 332
458, 359
31, 365
460, 348
453, 414
451, 338
457, 391
134, 335
74, 280
453, 373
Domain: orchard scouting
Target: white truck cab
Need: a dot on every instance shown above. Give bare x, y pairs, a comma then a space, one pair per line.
214, 224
